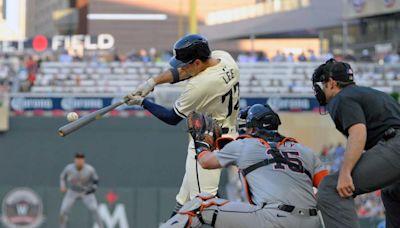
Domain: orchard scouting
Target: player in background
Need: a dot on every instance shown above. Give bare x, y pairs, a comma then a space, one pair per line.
79, 180
212, 88
370, 119
278, 175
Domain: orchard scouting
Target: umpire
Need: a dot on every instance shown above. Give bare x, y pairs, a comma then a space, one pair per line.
370, 120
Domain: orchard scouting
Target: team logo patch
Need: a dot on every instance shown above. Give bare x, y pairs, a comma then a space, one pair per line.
22, 208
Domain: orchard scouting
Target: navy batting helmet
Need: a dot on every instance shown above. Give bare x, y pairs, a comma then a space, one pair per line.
189, 48
262, 117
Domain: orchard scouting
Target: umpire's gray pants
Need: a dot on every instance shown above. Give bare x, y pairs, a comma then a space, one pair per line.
244, 215
70, 199
378, 168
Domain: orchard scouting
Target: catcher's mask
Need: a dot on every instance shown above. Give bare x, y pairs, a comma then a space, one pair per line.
338, 71
262, 117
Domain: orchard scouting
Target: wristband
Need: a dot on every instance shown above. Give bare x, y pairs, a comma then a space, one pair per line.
175, 75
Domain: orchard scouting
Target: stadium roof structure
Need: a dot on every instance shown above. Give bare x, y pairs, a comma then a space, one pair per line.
300, 22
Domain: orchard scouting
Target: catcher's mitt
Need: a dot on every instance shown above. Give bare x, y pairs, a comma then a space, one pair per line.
203, 129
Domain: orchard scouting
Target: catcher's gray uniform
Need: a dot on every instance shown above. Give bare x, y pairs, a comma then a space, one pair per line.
282, 196
81, 184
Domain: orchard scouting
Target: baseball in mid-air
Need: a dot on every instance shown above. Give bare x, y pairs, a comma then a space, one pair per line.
72, 116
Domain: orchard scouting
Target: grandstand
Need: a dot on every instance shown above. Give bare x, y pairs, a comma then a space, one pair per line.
259, 79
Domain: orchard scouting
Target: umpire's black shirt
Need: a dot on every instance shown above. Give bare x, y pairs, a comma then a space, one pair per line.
357, 104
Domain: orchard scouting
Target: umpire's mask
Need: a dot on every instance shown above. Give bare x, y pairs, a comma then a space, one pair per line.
338, 71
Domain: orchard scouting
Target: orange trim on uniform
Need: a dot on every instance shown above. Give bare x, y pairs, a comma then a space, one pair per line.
265, 143
189, 223
287, 139
204, 198
203, 206
247, 190
318, 177
192, 214
246, 136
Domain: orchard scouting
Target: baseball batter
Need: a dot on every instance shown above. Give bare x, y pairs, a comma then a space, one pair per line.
78, 181
278, 175
212, 88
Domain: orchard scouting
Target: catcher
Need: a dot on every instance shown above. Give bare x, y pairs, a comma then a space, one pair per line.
278, 175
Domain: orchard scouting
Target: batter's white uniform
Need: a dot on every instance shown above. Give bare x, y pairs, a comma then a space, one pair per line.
214, 91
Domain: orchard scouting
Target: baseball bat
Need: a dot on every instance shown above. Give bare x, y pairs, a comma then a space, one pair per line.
86, 119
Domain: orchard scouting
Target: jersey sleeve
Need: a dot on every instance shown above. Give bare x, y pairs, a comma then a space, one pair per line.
347, 112
319, 171
189, 100
63, 176
230, 154
95, 177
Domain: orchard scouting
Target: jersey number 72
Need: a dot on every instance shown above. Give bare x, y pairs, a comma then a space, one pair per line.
230, 95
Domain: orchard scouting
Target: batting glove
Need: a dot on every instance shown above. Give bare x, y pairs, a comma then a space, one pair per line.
134, 100
144, 89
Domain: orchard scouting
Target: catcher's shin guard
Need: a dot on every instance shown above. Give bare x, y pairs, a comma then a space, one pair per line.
190, 215
178, 206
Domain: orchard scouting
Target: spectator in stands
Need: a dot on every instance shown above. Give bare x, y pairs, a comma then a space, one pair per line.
302, 57
327, 56
278, 57
77, 80
284, 59
365, 56
153, 54
252, 57
77, 58
325, 151
339, 154
4, 74
290, 58
144, 57
350, 57
22, 76
243, 57
116, 56
313, 57
381, 224
392, 57
262, 57
31, 67
64, 57
133, 56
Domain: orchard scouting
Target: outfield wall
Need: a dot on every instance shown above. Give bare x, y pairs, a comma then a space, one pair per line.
138, 159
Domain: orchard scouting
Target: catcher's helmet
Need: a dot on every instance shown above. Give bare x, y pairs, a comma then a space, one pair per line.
262, 117
189, 48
